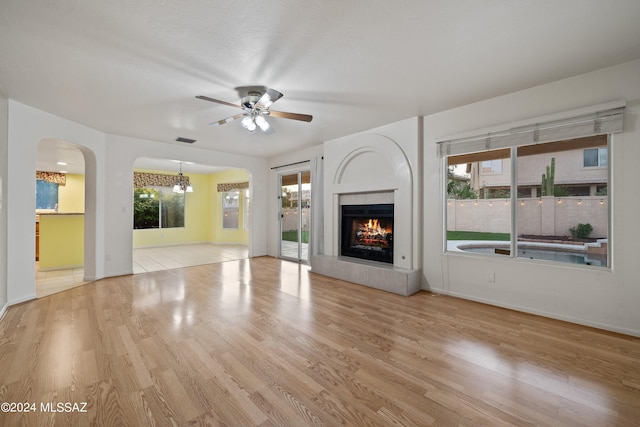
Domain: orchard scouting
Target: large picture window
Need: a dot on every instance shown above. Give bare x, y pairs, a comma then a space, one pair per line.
231, 209
561, 208
538, 191
157, 207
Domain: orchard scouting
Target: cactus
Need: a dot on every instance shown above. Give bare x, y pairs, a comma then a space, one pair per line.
547, 184
552, 177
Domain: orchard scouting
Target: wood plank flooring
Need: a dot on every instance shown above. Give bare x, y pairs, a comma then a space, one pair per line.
264, 342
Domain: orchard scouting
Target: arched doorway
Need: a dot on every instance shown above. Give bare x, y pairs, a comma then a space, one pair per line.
173, 229
64, 221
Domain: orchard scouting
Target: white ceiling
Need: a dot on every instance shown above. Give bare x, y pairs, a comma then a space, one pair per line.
134, 68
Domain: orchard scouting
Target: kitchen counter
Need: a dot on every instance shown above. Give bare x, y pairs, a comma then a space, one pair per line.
58, 214
61, 240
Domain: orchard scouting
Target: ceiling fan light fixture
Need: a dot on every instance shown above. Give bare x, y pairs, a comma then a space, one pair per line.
265, 101
248, 123
255, 102
262, 123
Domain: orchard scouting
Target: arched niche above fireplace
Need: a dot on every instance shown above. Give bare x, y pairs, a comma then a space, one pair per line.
374, 166
374, 161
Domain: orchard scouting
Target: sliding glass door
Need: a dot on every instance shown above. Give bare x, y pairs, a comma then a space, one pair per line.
295, 215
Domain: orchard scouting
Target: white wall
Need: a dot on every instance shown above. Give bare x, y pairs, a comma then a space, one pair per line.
27, 127
109, 163
4, 118
597, 297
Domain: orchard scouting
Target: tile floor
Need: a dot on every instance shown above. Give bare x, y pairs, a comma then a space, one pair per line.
145, 260
168, 257
51, 282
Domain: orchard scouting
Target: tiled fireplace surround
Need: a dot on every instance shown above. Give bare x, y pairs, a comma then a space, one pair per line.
369, 168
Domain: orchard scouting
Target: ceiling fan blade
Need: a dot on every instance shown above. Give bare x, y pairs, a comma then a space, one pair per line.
217, 101
227, 120
293, 116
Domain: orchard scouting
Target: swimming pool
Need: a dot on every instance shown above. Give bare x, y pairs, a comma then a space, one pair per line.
545, 254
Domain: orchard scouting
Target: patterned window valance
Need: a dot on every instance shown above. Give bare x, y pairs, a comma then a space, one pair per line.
230, 186
144, 179
55, 177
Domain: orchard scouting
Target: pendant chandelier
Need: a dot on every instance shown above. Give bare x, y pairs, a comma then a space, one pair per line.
182, 184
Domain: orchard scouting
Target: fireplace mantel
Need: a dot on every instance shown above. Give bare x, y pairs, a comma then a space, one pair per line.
378, 166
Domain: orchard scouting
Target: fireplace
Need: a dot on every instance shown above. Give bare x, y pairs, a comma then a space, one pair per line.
367, 232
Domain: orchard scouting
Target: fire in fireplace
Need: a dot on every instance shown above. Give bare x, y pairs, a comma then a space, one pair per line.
367, 232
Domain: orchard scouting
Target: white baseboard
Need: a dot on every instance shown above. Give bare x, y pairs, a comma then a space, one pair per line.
3, 310
23, 299
570, 319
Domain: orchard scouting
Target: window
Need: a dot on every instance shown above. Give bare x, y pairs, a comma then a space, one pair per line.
491, 166
157, 207
231, 209
558, 188
595, 157
560, 209
552, 225
46, 194
478, 207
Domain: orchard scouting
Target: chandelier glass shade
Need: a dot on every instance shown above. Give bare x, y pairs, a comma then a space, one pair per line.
181, 184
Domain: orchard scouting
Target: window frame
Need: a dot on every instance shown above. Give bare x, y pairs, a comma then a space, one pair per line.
598, 157
513, 243
246, 200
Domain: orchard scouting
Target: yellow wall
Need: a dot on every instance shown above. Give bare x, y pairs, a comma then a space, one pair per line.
196, 218
220, 234
71, 195
61, 241
203, 214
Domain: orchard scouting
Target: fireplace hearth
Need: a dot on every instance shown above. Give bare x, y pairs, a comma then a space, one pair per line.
367, 232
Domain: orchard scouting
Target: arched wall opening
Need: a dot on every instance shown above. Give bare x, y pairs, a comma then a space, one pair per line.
67, 232
210, 224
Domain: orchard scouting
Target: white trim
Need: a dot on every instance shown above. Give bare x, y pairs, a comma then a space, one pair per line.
23, 299
543, 313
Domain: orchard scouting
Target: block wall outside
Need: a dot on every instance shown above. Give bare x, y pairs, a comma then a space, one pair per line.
290, 219
540, 216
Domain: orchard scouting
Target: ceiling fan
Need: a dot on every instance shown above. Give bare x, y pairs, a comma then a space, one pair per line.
256, 101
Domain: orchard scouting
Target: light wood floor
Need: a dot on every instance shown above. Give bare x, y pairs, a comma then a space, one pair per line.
144, 261
265, 342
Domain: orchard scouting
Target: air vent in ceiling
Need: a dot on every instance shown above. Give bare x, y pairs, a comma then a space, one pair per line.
187, 140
